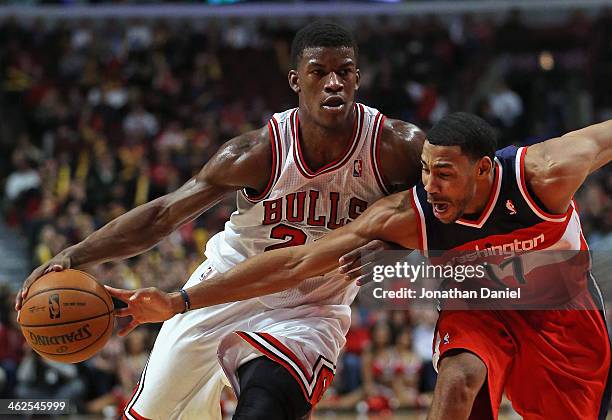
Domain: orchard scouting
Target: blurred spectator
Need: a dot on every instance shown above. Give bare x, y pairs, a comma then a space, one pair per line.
506, 105
378, 370
140, 122
408, 367
23, 178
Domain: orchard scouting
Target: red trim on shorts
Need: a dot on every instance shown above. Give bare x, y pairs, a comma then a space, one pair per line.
286, 351
320, 382
136, 415
276, 358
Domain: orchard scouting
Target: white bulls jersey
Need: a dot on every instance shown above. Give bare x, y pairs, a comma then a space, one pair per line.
300, 205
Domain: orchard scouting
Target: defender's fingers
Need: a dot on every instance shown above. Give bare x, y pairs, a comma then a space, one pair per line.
350, 256
123, 312
363, 280
119, 293
362, 270
363, 258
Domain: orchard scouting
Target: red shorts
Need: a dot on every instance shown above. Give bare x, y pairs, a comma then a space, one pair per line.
552, 364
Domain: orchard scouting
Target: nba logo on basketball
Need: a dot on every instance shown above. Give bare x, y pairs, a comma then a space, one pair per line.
54, 307
357, 168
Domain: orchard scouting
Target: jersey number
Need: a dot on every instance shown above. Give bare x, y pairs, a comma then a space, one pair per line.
293, 236
517, 268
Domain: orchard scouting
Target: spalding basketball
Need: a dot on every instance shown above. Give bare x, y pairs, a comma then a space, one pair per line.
67, 316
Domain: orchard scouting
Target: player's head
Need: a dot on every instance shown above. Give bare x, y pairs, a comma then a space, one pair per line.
324, 72
458, 157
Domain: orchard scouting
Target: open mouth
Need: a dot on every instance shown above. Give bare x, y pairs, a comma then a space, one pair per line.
440, 208
333, 103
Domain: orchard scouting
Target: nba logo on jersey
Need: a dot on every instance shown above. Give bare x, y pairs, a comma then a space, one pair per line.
357, 168
510, 207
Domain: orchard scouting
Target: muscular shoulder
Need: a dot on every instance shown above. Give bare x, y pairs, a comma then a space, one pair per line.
400, 154
552, 174
244, 161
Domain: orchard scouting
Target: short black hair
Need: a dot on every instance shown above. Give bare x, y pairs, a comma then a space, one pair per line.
474, 135
321, 34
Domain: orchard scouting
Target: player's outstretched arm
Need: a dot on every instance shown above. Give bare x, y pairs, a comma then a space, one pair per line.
390, 219
556, 168
238, 163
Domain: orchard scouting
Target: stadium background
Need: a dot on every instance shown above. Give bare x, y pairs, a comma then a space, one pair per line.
102, 113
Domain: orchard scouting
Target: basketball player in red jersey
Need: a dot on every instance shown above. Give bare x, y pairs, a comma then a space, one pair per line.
552, 364
312, 169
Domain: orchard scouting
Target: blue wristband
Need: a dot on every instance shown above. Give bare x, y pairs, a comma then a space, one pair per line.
185, 296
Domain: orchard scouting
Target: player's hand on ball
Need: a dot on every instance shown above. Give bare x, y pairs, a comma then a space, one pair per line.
144, 305
58, 263
357, 269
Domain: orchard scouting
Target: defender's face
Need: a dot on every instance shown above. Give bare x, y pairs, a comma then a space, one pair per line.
326, 80
449, 178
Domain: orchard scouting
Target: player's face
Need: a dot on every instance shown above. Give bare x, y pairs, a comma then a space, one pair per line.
326, 80
449, 178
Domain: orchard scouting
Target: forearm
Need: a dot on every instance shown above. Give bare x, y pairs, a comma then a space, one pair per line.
284, 268
272, 271
264, 274
143, 227
130, 234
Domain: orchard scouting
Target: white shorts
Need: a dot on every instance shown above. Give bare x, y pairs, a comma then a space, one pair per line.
198, 353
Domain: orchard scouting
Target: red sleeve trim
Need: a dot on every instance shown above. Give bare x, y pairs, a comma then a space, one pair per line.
274, 135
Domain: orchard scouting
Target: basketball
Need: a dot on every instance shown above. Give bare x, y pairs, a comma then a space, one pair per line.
67, 316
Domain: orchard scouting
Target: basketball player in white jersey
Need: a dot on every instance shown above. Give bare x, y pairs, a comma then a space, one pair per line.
310, 170
552, 364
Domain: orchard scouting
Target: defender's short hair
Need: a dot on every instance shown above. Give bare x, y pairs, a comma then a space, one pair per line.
320, 34
474, 135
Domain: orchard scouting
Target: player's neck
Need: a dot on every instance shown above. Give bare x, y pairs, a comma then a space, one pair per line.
321, 145
483, 194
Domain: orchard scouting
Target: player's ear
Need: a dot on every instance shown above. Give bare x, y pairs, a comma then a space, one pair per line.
357, 79
485, 166
294, 81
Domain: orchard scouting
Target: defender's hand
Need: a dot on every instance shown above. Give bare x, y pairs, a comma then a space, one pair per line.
58, 263
144, 305
355, 268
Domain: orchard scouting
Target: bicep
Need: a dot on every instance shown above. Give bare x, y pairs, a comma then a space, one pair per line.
243, 162
555, 169
237, 164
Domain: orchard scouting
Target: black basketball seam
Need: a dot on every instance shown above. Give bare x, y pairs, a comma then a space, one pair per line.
80, 350
67, 322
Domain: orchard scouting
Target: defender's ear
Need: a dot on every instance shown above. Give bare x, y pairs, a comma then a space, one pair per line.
294, 81
357, 79
485, 166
